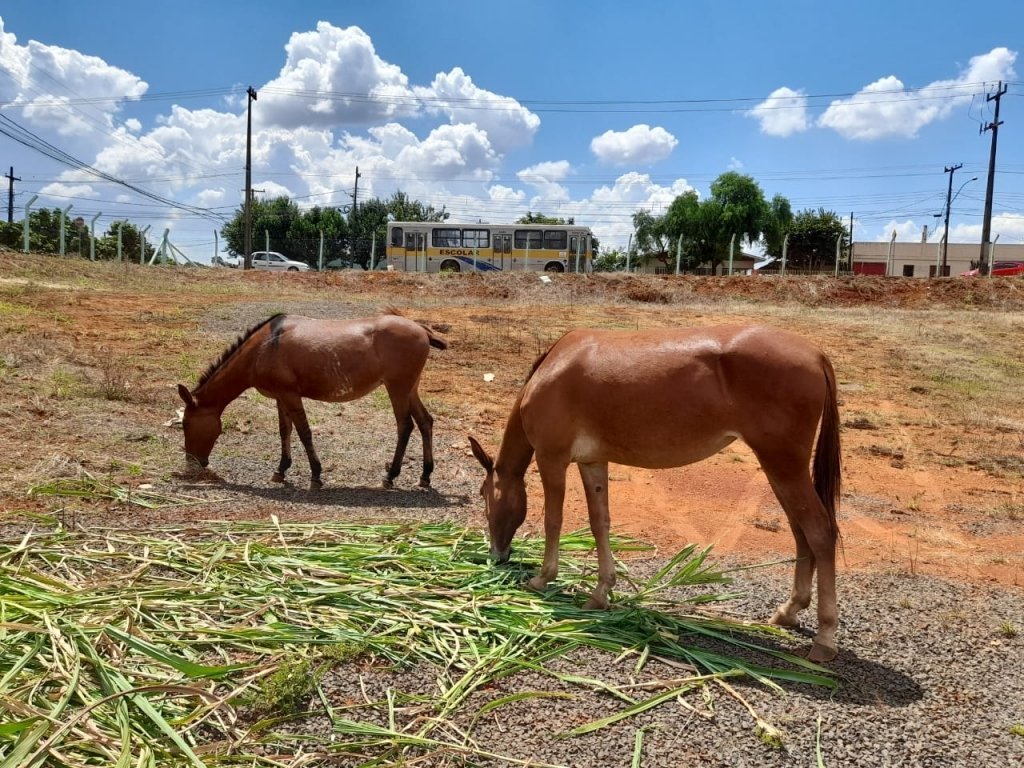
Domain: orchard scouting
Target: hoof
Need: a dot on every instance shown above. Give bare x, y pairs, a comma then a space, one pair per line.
424, 482
782, 620
596, 604
388, 483
821, 654
536, 584
277, 477
315, 485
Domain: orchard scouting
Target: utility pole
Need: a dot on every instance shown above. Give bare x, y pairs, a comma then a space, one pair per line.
11, 178
986, 222
355, 194
247, 235
949, 194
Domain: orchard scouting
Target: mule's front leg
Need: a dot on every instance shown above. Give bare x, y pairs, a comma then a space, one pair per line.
552, 477
595, 485
298, 417
284, 424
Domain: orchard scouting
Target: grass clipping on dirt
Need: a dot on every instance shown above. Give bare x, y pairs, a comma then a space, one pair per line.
207, 646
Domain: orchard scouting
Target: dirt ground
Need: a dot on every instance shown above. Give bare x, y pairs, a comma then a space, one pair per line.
929, 376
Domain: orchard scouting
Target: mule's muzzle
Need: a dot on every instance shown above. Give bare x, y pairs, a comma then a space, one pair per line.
501, 557
196, 462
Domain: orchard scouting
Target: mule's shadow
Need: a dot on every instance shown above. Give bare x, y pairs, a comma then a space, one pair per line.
359, 496
860, 681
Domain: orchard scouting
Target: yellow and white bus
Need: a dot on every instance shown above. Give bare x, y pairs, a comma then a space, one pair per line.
431, 246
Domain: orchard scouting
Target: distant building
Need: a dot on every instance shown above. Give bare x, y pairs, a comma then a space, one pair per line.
923, 258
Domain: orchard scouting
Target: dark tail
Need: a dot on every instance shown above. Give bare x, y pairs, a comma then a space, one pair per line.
436, 341
827, 458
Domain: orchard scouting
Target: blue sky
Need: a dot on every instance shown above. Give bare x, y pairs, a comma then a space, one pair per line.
585, 109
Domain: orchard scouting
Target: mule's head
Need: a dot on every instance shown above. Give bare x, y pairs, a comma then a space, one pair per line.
504, 504
202, 428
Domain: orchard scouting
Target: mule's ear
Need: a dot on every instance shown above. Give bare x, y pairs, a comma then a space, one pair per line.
481, 455
186, 395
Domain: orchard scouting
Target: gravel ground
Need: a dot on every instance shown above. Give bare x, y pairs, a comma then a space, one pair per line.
927, 678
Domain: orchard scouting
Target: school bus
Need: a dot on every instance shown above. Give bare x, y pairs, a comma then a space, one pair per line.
430, 246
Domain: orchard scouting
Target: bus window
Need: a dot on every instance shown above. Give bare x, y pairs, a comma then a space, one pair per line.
396, 237
528, 238
446, 238
476, 238
412, 242
555, 239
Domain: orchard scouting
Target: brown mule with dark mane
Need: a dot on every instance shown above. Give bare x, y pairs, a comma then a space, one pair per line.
288, 357
665, 398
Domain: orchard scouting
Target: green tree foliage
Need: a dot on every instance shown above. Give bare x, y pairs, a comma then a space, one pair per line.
540, 218
812, 239
610, 261
44, 233
705, 228
778, 222
131, 243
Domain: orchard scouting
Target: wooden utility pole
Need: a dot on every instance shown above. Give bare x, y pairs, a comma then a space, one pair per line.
11, 178
950, 169
247, 235
355, 194
986, 222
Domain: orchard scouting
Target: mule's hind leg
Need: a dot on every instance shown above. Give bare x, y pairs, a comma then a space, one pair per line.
284, 424
595, 485
425, 423
403, 420
816, 550
297, 414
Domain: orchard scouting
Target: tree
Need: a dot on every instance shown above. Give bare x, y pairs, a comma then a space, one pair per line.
812, 239
744, 210
540, 218
271, 220
304, 233
777, 223
736, 206
610, 261
131, 243
648, 237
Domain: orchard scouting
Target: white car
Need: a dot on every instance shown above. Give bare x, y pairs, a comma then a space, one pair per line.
274, 261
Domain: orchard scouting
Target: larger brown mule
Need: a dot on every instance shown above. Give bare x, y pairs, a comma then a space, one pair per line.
288, 357
665, 398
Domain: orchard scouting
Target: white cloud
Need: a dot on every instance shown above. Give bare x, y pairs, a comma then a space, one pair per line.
507, 123
734, 164
885, 108
1009, 227
783, 113
546, 172
332, 76
42, 79
907, 230
640, 145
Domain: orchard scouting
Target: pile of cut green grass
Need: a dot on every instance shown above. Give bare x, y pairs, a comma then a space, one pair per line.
190, 647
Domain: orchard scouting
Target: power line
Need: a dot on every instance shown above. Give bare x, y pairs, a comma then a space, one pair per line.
25, 137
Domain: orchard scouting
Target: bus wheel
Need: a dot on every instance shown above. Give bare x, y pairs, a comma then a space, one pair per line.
554, 266
450, 265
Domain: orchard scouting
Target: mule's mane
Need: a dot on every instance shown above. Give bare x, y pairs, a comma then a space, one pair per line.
227, 353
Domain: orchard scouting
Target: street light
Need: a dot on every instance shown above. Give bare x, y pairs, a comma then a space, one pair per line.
949, 203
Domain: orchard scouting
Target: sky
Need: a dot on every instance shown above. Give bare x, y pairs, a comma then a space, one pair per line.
591, 110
